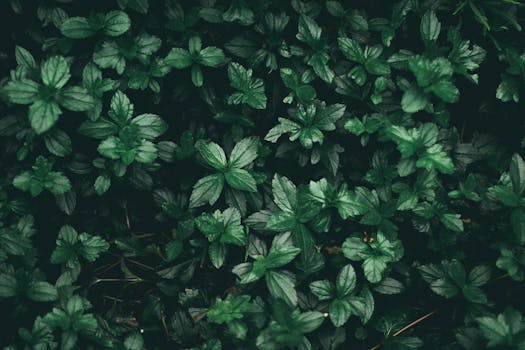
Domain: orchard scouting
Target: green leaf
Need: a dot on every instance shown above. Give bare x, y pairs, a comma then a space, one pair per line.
389, 286
179, 58
503, 194
339, 311
24, 58
121, 108
244, 152
23, 91
377, 66
517, 220
414, 100
55, 72
217, 252
251, 90
435, 158
309, 321
196, 76
517, 174
229, 309
444, 288
173, 249
92, 246
452, 222
213, 154
109, 148
8, 285
70, 246
43, 115
430, 27
41, 177
323, 290
474, 294
284, 193
281, 285
445, 90
100, 129
150, 125
76, 98
134, 342
211, 57
308, 31
508, 89
346, 281
58, 142
42, 291
207, 190
355, 249
102, 184
374, 267
240, 179
351, 49
77, 28
506, 329
116, 23
281, 256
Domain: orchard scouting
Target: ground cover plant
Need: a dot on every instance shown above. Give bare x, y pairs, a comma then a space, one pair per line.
233, 174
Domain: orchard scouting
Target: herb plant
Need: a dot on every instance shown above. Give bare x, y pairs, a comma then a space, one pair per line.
232, 174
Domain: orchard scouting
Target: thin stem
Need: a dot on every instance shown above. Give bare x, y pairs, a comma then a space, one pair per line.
408, 326
98, 280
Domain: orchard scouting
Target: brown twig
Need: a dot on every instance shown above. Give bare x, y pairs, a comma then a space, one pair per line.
428, 314
408, 326
147, 267
412, 324
127, 216
134, 280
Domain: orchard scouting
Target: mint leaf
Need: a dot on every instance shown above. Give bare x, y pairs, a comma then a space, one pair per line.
250, 90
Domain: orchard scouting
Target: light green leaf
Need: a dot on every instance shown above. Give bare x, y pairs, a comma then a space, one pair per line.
42, 291
339, 311
43, 115
23, 91
240, 179
76, 98
150, 125
244, 152
116, 23
323, 290
207, 190
213, 154
55, 72
346, 281
281, 284
414, 100
179, 58
77, 28
211, 56
217, 252
430, 27
517, 174
374, 267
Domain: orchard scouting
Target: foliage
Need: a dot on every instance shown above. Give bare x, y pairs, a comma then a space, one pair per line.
232, 174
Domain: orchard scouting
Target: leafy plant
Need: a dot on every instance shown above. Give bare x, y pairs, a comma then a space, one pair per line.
233, 174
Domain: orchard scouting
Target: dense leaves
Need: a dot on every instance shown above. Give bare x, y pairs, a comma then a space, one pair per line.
232, 174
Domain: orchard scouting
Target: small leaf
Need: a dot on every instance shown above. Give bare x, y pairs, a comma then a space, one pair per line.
116, 23
213, 154
281, 284
240, 179
430, 27
346, 281
42, 291
207, 190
